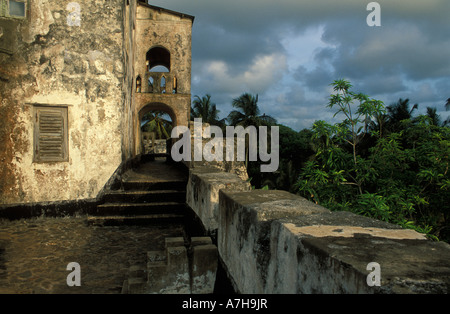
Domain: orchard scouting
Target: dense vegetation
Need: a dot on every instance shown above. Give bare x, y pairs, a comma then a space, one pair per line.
378, 161
382, 163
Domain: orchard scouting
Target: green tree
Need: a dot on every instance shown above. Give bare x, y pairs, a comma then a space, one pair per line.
156, 121
447, 107
295, 149
207, 110
354, 127
398, 112
401, 177
283, 179
248, 113
435, 119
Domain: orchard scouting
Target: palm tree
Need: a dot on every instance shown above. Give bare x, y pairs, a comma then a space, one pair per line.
398, 112
447, 107
435, 119
155, 122
248, 115
207, 110
285, 178
379, 123
248, 112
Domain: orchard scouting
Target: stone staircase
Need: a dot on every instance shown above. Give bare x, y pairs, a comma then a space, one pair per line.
153, 192
179, 269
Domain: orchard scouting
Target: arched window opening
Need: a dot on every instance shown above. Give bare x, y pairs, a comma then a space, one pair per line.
158, 57
138, 84
163, 85
174, 86
156, 128
159, 68
150, 84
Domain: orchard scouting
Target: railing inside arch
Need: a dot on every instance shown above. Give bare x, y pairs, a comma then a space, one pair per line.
159, 83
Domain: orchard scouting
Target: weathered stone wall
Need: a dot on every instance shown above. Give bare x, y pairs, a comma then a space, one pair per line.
161, 28
206, 178
199, 140
172, 31
277, 242
202, 194
129, 35
59, 55
155, 147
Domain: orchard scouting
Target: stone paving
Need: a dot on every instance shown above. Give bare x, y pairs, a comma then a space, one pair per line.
35, 252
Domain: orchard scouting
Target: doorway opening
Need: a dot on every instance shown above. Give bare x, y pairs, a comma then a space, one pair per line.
156, 126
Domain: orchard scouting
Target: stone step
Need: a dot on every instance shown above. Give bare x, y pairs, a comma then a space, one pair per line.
152, 156
135, 220
182, 269
135, 209
149, 185
145, 196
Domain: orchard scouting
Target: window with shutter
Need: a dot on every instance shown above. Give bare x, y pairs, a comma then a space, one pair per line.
50, 134
13, 8
3, 8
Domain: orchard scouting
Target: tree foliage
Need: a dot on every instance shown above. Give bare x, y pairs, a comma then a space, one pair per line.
381, 163
157, 122
247, 112
294, 150
207, 110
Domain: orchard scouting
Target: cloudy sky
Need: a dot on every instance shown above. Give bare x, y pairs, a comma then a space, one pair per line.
289, 51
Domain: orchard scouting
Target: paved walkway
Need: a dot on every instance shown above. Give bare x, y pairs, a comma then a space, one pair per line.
157, 170
34, 254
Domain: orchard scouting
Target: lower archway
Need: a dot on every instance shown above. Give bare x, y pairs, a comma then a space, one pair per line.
156, 121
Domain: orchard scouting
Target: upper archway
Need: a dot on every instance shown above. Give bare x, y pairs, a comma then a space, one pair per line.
158, 56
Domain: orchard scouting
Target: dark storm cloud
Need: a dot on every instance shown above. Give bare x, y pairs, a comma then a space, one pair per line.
316, 79
401, 48
382, 84
238, 49
265, 47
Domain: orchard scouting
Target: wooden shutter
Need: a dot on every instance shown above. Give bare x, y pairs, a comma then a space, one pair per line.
50, 134
3, 7
13, 8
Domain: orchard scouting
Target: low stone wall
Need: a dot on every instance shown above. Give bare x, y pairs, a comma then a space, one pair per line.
202, 193
277, 242
153, 146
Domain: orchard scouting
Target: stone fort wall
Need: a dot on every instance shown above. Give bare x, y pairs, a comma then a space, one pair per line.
277, 242
63, 99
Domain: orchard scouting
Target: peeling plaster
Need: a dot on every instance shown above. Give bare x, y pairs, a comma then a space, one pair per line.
40, 21
54, 64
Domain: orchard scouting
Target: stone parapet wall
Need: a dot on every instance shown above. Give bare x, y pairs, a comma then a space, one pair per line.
153, 147
277, 242
202, 193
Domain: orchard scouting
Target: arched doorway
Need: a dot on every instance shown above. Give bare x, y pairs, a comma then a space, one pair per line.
158, 56
155, 124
